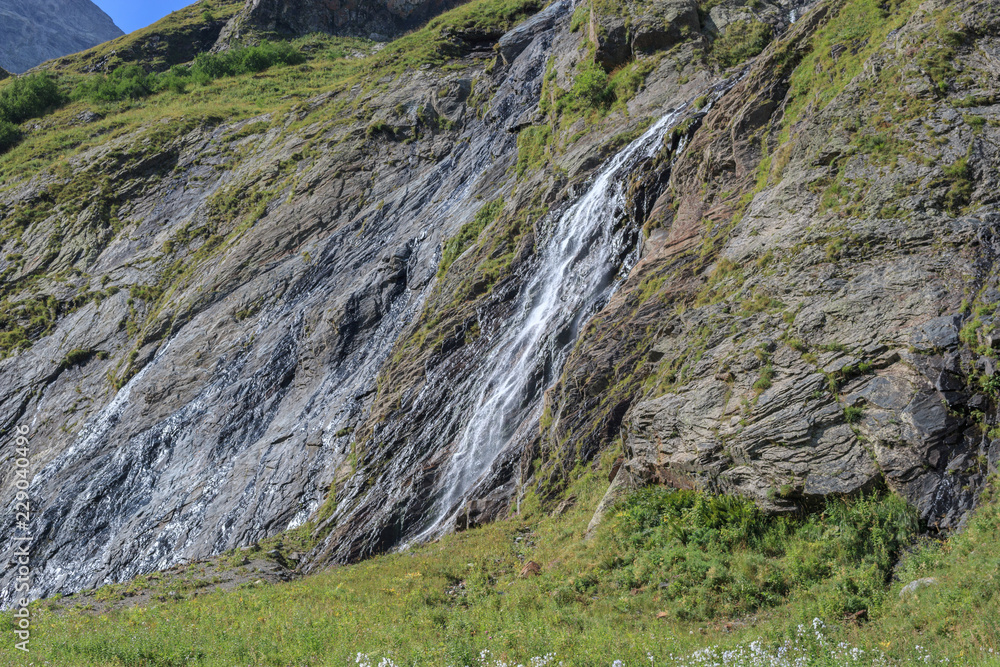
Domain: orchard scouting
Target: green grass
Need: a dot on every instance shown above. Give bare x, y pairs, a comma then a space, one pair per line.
720, 557
742, 40
668, 573
172, 36
861, 26
469, 234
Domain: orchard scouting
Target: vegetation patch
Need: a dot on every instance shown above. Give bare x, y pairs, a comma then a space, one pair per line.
719, 556
669, 573
469, 233
742, 40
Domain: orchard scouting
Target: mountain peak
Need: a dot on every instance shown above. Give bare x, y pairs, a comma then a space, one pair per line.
33, 32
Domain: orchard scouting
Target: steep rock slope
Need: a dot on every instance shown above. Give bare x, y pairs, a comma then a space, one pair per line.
295, 320
39, 30
197, 311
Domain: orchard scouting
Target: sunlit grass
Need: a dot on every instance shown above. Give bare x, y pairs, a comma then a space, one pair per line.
446, 602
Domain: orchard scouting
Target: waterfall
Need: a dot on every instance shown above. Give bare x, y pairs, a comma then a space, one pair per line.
578, 271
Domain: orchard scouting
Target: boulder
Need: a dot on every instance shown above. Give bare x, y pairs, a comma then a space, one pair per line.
531, 569
663, 24
914, 586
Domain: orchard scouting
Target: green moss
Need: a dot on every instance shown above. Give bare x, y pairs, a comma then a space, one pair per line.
469, 233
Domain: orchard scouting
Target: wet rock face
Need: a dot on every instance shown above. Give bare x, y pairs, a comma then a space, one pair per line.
374, 19
256, 385
40, 30
244, 389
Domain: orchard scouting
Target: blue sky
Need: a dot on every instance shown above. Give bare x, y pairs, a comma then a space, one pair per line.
130, 15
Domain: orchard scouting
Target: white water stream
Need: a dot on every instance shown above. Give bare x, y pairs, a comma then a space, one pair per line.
578, 270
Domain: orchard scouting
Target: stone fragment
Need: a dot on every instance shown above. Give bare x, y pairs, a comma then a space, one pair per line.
914, 586
531, 569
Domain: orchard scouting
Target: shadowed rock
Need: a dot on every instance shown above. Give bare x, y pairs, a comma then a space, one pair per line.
374, 19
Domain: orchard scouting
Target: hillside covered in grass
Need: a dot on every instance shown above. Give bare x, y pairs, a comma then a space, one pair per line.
669, 579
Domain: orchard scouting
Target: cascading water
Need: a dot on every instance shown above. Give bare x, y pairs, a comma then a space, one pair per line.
577, 272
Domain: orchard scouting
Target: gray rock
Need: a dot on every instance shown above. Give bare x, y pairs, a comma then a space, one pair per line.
914, 586
663, 24
940, 333
369, 18
512, 44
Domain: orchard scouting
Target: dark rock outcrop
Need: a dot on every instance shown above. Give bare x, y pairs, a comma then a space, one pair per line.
33, 31
375, 19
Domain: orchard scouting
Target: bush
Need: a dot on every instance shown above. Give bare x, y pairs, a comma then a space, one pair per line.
593, 88
247, 60
721, 556
130, 82
28, 97
742, 41
10, 134
176, 79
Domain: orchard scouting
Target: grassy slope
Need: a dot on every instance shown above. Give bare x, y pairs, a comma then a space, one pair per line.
447, 602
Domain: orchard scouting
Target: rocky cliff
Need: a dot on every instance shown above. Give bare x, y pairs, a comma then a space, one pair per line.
750, 247
379, 20
40, 30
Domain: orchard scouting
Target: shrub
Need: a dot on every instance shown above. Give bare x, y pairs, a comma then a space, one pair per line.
28, 97
130, 82
592, 87
853, 414
720, 555
176, 79
742, 41
247, 60
10, 134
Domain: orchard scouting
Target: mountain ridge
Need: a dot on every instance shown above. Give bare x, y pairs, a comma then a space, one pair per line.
34, 32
